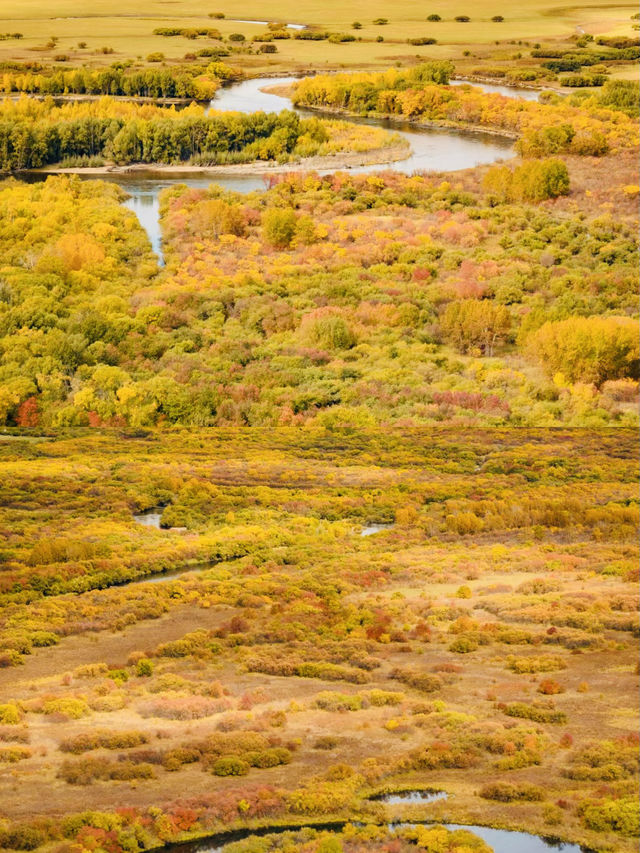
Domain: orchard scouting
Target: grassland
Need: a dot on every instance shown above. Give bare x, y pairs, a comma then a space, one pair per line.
439, 627
129, 32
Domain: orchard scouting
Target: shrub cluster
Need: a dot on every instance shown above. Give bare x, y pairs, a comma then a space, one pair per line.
102, 739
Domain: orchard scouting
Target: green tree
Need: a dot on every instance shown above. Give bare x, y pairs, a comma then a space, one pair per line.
279, 226
471, 324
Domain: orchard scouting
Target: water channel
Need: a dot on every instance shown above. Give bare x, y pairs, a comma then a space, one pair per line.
431, 149
500, 840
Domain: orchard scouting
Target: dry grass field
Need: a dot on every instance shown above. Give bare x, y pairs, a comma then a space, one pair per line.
129, 32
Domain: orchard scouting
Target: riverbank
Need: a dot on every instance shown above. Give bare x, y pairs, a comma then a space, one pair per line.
399, 121
289, 91
334, 162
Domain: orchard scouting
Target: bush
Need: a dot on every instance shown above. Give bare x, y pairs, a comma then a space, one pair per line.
66, 706
533, 181
86, 770
463, 645
605, 761
588, 349
231, 765
329, 701
102, 740
12, 754
10, 714
279, 226
472, 324
327, 328
462, 19
422, 681
538, 715
535, 664
22, 837
422, 40
380, 698
338, 38
326, 742
505, 793
613, 816
433, 17
549, 687
144, 668
268, 757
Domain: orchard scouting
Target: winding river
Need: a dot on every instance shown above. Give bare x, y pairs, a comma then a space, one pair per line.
432, 149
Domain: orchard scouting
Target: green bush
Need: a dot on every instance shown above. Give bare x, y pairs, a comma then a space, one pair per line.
613, 816
506, 793
538, 715
231, 765
279, 226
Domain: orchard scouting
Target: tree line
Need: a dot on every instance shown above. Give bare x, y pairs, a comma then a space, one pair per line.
185, 82
53, 136
593, 126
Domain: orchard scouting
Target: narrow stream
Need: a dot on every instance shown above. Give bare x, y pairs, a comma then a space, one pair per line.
403, 798
370, 529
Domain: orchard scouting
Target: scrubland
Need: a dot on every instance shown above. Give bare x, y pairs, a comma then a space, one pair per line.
483, 643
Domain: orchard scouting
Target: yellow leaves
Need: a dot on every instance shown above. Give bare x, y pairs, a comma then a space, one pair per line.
85, 398
79, 251
127, 395
104, 231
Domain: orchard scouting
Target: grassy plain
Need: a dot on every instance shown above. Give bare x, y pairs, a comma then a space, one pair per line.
129, 32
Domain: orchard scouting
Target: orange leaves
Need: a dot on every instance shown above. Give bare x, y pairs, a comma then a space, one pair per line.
79, 251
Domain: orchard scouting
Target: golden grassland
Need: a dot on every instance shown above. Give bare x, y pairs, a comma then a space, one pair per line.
462, 609
129, 32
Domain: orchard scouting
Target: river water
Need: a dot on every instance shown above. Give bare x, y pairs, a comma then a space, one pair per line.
432, 149
500, 840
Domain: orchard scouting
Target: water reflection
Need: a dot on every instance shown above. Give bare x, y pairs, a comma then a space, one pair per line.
501, 840
150, 517
498, 89
399, 798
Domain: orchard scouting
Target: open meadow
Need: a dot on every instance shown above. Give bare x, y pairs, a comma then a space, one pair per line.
128, 30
